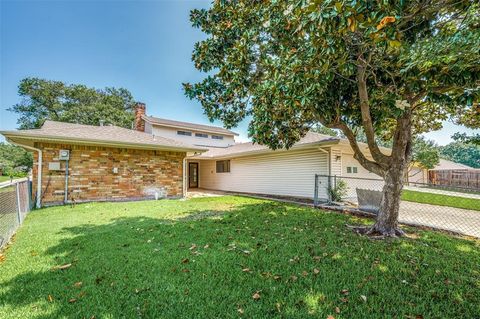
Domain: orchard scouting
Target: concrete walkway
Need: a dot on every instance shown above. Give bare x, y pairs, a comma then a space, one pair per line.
463, 221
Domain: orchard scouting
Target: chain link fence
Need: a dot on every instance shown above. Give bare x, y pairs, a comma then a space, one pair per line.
455, 209
15, 203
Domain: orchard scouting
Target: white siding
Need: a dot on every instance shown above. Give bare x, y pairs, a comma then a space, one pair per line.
286, 173
349, 161
172, 134
336, 160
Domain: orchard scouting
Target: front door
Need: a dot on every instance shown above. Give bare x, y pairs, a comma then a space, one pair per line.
192, 175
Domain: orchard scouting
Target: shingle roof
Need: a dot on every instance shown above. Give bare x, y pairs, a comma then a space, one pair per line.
60, 131
187, 125
239, 149
444, 164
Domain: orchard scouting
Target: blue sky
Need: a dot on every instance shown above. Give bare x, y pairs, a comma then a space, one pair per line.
144, 46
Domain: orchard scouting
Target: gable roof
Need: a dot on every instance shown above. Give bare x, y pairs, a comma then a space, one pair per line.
444, 164
311, 139
99, 135
187, 125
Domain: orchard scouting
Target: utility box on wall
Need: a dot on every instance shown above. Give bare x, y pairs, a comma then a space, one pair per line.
54, 166
64, 155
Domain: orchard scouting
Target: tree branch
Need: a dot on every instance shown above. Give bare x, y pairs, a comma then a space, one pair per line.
367, 123
358, 154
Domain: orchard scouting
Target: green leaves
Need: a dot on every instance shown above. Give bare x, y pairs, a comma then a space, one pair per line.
290, 65
74, 103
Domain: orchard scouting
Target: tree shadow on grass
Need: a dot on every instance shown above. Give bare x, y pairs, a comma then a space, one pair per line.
208, 264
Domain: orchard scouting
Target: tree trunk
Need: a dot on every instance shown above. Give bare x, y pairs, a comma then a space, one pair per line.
386, 223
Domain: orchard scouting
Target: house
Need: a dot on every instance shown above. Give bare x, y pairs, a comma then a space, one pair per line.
165, 158
451, 174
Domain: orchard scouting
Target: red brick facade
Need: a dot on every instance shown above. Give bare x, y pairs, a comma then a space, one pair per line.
139, 123
102, 173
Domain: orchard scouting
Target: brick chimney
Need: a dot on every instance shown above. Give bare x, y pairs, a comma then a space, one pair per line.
139, 123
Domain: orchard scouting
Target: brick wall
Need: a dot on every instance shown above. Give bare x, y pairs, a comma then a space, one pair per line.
141, 174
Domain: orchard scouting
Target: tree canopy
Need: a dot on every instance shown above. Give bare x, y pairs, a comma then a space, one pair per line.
14, 159
74, 103
464, 153
391, 68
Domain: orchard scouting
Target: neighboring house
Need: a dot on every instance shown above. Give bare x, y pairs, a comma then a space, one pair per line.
165, 158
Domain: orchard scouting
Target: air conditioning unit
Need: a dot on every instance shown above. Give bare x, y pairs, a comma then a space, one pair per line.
64, 155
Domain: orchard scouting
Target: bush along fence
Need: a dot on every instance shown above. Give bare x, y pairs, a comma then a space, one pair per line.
446, 208
15, 203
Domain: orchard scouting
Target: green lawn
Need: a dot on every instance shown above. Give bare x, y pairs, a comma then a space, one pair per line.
441, 200
208, 258
4, 178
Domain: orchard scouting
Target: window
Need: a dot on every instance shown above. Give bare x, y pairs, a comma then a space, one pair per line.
217, 137
352, 169
223, 166
201, 135
185, 133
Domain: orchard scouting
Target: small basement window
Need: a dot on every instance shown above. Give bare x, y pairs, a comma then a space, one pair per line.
185, 133
201, 135
352, 169
217, 137
223, 166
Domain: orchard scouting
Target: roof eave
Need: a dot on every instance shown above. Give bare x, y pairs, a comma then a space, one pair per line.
11, 134
267, 151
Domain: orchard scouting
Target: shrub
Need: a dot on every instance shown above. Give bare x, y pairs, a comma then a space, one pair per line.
338, 191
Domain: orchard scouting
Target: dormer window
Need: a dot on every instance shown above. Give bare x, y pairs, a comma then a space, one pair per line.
184, 133
201, 135
217, 137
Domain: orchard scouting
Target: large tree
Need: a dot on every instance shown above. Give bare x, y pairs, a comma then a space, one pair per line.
393, 68
74, 103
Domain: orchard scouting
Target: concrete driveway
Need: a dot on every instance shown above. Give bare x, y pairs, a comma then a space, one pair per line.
458, 220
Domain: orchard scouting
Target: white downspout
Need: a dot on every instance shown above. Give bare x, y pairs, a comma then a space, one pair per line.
39, 171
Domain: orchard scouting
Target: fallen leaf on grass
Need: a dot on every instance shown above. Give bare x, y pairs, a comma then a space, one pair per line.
277, 277
185, 261
330, 317
256, 296
304, 273
2, 258
316, 271
345, 292
240, 311
72, 300
62, 267
364, 298
337, 310
293, 278
78, 284
246, 270
50, 298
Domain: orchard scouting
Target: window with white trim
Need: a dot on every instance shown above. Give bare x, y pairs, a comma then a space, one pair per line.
201, 135
223, 166
352, 170
217, 137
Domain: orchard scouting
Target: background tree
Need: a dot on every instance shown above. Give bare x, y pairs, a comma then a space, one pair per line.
464, 138
75, 103
325, 130
391, 68
464, 153
14, 160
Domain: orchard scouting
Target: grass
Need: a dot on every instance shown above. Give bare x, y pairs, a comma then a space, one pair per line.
4, 178
441, 200
208, 258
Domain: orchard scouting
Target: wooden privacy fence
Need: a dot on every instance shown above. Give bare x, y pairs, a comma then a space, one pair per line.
465, 178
